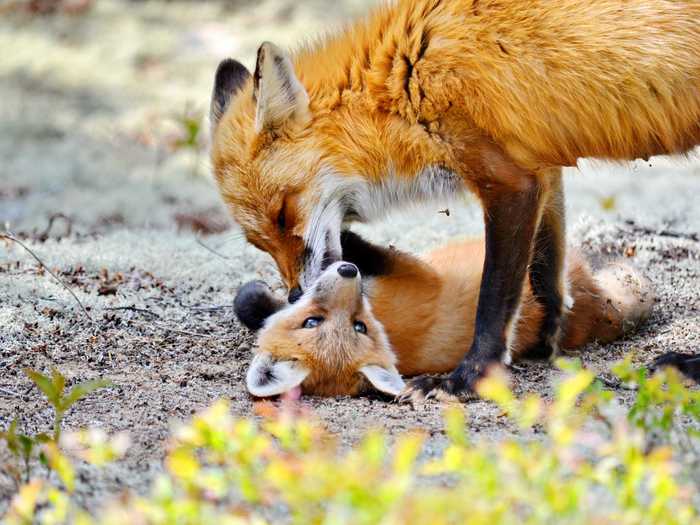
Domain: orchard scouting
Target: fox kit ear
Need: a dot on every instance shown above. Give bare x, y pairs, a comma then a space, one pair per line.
267, 378
230, 77
387, 380
254, 303
279, 94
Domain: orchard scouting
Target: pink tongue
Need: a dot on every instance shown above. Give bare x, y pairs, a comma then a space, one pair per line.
292, 395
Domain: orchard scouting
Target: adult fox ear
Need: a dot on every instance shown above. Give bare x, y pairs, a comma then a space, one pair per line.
280, 96
254, 303
267, 377
387, 380
230, 77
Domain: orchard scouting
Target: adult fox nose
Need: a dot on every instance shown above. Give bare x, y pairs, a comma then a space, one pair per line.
294, 294
347, 270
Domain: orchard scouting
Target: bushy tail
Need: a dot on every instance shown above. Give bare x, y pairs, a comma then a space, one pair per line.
608, 304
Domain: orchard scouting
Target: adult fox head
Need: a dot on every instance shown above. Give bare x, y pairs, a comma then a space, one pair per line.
328, 342
278, 179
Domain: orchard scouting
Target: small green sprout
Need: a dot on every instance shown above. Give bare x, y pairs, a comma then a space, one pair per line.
53, 388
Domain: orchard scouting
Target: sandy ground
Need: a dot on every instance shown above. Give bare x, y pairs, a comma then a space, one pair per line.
89, 117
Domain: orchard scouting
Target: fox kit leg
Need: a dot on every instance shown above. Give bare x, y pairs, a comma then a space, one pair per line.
547, 268
512, 209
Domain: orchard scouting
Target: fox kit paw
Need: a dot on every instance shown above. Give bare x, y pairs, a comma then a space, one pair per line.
423, 388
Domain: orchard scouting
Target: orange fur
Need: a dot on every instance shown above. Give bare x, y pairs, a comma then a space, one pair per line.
429, 313
427, 309
496, 92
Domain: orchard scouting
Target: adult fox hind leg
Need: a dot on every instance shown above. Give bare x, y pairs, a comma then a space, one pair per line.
512, 211
547, 271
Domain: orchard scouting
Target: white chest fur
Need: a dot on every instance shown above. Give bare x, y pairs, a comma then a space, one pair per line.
368, 201
346, 198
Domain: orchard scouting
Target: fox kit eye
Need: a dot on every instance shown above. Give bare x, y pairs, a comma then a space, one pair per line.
360, 327
312, 322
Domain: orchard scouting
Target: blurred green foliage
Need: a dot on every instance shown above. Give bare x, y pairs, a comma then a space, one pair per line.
24, 447
579, 458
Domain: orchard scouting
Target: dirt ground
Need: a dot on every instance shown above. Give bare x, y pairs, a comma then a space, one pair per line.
91, 133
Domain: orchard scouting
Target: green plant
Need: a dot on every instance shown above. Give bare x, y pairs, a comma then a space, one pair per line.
24, 447
661, 399
588, 463
190, 125
53, 388
189, 134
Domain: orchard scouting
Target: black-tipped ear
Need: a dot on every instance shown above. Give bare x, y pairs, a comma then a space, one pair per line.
230, 77
254, 303
280, 96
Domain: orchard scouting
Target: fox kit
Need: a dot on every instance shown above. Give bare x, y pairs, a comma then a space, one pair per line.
430, 98
383, 314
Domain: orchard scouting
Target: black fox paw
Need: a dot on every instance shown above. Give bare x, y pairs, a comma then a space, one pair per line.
446, 389
687, 364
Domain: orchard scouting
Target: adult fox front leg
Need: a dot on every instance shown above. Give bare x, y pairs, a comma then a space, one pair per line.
512, 214
429, 98
547, 273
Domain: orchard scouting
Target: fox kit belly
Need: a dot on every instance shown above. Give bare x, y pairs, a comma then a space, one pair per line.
428, 307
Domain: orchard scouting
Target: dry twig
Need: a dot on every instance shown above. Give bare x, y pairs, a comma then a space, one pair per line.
210, 308
44, 236
14, 239
133, 309
11, 393
212, 250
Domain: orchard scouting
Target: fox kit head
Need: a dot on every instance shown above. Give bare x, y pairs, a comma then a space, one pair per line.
273, 162
328, 342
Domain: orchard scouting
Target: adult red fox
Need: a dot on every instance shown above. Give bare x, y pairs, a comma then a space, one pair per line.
403, 315
430, 98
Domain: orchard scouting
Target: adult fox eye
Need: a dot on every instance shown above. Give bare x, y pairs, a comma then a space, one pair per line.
282, 218
360, 327
312, 322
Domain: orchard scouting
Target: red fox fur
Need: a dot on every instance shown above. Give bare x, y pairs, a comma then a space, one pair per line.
417, 317
425, 99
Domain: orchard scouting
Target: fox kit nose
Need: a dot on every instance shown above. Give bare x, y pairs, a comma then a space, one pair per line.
347, 270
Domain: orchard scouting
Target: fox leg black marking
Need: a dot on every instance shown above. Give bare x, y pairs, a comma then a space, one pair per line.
687, 364
372, 260
547, 267
511, 217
